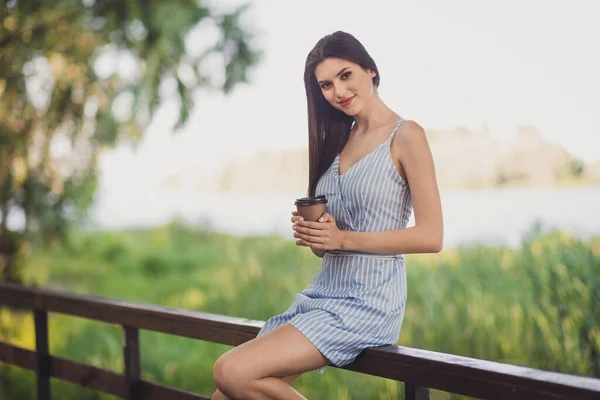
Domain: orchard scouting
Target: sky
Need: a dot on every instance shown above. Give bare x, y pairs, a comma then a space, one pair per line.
443, 64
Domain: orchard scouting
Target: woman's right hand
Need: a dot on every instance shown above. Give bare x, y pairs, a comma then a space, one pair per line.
295, 219
300, 242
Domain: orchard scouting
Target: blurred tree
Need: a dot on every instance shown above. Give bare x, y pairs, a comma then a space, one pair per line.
80, 76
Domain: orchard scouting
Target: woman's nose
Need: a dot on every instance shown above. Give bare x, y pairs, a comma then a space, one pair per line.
340, 91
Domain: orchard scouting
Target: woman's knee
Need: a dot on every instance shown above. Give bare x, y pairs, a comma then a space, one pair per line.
230, 376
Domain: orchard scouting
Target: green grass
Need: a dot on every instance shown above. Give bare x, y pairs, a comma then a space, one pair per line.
536, 306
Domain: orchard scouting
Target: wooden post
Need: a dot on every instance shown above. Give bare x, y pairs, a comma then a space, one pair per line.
42, 352
412, 392
131, 354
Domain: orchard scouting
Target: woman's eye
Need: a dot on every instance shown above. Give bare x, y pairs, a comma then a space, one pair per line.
324, 85
346, 75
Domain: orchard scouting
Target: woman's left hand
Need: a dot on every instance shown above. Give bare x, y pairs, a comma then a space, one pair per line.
323, 235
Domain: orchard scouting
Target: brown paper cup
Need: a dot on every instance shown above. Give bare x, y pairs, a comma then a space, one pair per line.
311, 208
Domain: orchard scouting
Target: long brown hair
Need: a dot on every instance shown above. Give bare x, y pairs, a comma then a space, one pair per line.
328, 127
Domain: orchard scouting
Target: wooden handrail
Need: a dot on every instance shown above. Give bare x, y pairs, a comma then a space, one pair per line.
417, 368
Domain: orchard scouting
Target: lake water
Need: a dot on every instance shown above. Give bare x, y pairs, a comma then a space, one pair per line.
494, 216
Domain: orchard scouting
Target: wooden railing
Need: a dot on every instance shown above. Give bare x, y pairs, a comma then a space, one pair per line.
419, 369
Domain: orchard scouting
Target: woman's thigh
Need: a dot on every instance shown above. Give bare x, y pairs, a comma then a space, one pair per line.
282, 352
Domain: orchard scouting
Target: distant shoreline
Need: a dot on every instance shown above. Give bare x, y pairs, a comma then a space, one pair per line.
463, 160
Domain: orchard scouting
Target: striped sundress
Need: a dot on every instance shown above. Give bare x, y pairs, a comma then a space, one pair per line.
356, 300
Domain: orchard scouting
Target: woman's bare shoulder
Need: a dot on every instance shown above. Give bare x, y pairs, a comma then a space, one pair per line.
409, 134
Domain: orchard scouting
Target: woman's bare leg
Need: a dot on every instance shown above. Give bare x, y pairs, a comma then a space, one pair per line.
254, 370
217, 395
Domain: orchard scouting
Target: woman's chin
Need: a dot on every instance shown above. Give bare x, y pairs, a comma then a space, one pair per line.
351, 111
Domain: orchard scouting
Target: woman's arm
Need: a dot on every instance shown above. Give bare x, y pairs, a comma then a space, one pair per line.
426, 236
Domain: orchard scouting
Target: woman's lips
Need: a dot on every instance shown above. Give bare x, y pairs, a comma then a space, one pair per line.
346, 102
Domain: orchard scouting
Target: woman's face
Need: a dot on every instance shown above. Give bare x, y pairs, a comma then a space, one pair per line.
344, 84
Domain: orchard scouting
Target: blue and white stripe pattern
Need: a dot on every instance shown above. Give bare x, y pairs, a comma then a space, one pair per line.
356, 300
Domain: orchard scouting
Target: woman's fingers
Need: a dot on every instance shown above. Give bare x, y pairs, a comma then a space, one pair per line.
308, 231
309, 238
296, 217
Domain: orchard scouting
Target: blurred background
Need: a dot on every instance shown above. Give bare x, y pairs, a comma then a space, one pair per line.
151, 151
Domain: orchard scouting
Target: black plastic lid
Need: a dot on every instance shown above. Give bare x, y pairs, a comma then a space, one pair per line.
309, 201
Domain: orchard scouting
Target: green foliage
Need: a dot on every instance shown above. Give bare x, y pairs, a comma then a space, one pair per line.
535, 306
77, 77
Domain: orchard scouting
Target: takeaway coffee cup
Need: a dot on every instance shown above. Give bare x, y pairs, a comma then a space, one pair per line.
311, 208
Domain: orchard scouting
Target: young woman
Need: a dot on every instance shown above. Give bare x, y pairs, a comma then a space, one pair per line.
374, 167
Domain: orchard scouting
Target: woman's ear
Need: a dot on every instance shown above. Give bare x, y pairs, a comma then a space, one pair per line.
373, 73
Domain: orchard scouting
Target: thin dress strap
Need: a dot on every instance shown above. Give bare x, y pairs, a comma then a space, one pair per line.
396, 128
